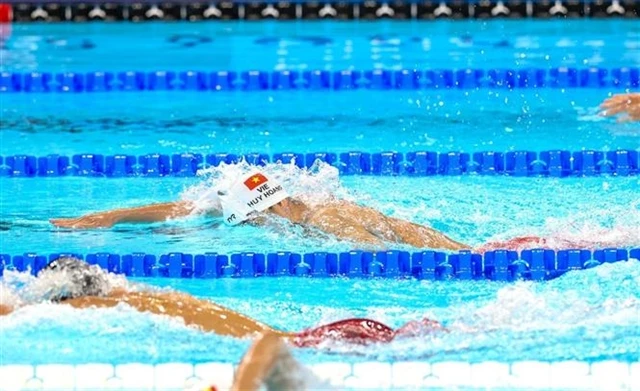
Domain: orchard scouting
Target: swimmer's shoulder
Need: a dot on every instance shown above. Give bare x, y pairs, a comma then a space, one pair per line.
342, 207
334, 209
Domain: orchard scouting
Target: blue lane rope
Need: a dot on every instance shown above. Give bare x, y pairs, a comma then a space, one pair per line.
407, 79
499, 265
555, 163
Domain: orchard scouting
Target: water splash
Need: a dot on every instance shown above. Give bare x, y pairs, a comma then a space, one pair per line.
584, 315
315, 186
18, 289
8, 295
614, 226
594, 312
445, 204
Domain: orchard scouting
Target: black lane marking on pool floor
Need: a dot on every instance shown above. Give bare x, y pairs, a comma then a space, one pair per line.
368, 10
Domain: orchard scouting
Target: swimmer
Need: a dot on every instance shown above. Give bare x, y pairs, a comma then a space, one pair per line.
73, 282
255, 196
626, 104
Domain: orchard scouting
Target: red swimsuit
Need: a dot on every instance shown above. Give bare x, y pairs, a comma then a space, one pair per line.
361, 331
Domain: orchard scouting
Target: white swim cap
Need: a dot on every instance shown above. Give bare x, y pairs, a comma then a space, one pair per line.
253, 192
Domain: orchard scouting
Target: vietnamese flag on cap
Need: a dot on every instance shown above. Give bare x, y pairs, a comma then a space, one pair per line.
255, 181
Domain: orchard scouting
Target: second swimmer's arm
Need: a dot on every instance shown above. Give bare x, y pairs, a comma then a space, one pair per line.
142, 214
268, 362
206, 315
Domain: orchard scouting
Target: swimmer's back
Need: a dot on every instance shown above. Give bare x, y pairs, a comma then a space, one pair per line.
343, 220
367, 225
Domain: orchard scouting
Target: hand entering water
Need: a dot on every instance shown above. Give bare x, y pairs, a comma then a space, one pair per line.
626, 104
89, 221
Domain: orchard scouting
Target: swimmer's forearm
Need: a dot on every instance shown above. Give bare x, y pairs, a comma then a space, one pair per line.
152, 213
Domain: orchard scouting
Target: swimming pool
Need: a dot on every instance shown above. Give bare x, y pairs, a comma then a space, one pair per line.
586, 317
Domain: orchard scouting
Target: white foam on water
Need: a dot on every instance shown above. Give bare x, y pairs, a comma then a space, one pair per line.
20, 289
613, 293
596, 304
614, 226
8, 296
316, 185
587, 309
592, 299
455, 205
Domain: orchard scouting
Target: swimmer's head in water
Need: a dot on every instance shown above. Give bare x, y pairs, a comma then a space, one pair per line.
253, 192
70, 278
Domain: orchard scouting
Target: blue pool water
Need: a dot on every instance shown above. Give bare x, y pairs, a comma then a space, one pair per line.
273, 122
470, 209
588, 315
322, 45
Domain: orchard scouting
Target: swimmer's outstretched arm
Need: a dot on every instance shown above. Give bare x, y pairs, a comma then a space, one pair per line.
204, 314
142, 214
623, 103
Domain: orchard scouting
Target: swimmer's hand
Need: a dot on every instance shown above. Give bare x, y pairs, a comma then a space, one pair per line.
84, 222
626, 104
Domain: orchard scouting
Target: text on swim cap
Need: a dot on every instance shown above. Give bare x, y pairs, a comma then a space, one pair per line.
266, 192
